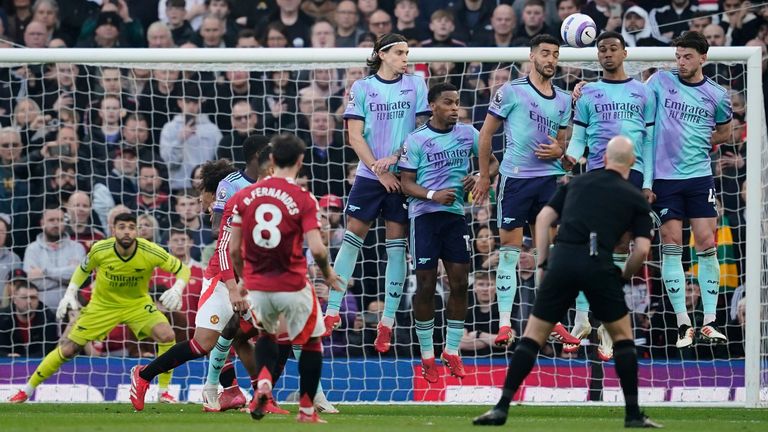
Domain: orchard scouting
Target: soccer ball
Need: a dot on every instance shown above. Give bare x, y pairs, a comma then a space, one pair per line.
578, 30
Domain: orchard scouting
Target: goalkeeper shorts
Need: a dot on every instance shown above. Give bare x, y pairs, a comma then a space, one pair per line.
97, 320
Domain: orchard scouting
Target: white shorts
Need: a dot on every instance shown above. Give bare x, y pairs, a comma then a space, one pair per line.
300, 310
214, 310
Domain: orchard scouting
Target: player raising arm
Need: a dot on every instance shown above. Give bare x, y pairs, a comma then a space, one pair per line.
124, 265
693, 116
535, 115
382, 110
615, 105
271, 220
434, 169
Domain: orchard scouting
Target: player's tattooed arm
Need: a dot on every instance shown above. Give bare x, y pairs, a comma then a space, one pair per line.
215, 224
721, 134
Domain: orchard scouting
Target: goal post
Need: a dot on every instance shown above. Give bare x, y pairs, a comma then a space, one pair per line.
755, 363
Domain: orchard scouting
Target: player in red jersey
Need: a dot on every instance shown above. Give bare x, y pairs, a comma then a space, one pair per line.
271, 220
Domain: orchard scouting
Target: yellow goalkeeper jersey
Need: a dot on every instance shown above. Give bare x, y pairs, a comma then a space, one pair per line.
125, 281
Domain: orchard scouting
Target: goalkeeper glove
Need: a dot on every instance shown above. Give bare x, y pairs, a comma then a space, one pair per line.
69, 301
171, 299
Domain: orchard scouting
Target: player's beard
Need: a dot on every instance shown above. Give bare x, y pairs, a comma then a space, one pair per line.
126, 242
541, 70
687, 74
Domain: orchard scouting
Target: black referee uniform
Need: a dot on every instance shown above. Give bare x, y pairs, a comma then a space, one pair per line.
595, 209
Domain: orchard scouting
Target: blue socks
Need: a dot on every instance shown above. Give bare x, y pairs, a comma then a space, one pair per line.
506, 282
344, 266
424, 330
709, 281
453, 335
217, 359
674, 280
394, 279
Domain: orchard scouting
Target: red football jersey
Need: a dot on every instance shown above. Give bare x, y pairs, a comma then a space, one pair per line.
274, 214
220, 262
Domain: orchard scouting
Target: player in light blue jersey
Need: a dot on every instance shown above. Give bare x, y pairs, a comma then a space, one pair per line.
693, 116
616, 105
535, 115
382, 110
435, 165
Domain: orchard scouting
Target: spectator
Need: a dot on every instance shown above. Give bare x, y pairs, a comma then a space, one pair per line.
211, 33
715, 35
47, 12
120, 186
114, 211
152, 198
481, 324
296, 22
669, 22
148, 228
27, 327
325, 155
18, 21
191, 11
176, 18
322, 34
739, 23
111, 83
366, 8
160, 99
236, 87
533, 23
699, 21
503, 22
135, 134
486, 256
279, 102
35, 35
159, 36
351, 75
636, 28
14, 278
105, 133
406, 12
51, 259
60, 182
496, 79
606, 14
331, 208
323, 85
188, 216
244, 122
183, 321
346, 18
222, 9
82, 225
113, 27
31, 123
9, 261
441, 24
275, 36
565, 8
247, 38
14, 190
380, 23
319, 9
188, 140
473, 18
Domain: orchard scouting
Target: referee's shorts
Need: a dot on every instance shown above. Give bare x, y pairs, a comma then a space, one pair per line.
570, 270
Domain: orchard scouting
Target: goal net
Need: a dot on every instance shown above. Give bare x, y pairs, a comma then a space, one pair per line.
90, 137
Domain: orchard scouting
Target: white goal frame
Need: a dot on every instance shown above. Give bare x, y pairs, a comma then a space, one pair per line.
751, 56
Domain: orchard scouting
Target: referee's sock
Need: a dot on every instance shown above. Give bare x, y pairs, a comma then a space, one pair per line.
344, 266
519, 367
674, 280
178, 354
506, 282
709, 280
625, 356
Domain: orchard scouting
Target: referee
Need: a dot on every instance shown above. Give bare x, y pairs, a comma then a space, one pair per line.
595, 210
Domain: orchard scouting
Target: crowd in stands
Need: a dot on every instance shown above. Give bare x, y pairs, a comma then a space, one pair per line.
79, 144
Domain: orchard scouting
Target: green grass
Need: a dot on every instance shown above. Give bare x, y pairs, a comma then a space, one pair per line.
363, 418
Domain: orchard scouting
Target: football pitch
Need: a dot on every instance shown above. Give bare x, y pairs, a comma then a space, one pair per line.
365, 418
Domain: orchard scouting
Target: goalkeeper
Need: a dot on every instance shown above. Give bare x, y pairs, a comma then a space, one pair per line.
125, 265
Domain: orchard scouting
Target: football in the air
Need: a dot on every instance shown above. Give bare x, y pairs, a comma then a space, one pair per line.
578, 30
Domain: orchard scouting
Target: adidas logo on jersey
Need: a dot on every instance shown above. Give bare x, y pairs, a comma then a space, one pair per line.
394, 295
672, 91
504, 288
713, 292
